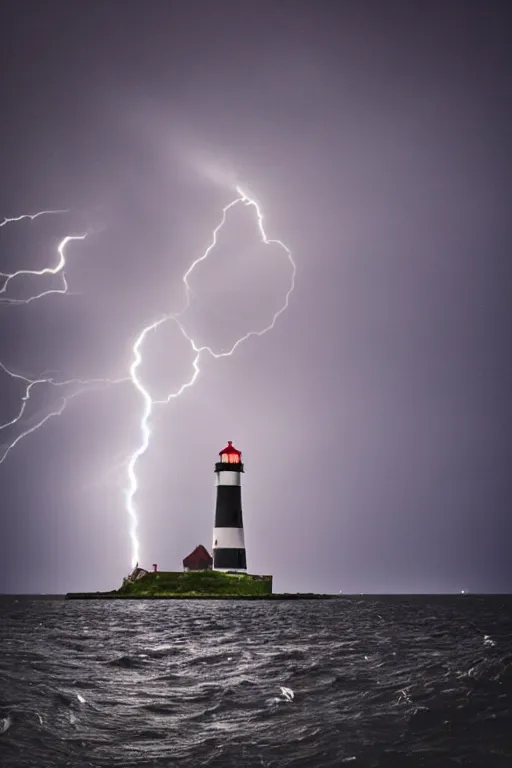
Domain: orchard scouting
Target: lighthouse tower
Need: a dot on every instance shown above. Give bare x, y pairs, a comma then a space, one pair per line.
228, 532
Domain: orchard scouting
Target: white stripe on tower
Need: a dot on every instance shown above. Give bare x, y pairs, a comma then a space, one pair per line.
228, 478
228, 532
230, 538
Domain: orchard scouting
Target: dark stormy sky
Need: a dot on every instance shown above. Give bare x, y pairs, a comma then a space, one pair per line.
376, 419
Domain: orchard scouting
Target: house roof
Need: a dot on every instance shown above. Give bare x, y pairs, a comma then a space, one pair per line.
198, 554
138, 569
230, 449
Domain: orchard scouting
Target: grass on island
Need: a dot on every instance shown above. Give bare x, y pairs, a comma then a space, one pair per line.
193, 583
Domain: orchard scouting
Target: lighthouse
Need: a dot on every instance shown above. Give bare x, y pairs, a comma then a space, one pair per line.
228, 532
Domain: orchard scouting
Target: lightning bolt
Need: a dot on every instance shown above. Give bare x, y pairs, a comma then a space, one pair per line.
58, 268
30, 383
30, 216
148, 402
84, 384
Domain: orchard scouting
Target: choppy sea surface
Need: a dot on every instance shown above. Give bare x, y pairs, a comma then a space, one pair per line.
423, 681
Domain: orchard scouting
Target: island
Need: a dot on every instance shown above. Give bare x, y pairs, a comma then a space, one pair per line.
187, 584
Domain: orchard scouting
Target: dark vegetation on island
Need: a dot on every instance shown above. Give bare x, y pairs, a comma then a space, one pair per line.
193, 583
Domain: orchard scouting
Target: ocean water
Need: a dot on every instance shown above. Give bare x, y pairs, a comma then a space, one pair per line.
357, 681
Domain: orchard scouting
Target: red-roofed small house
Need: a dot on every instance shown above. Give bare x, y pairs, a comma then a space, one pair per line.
198, 560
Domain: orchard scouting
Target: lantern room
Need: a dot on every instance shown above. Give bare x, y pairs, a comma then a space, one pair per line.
230, 455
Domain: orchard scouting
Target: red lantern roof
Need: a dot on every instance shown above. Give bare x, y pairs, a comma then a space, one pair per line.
230, 450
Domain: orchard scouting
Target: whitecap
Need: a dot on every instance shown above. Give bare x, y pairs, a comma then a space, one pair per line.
5, 724
287, 693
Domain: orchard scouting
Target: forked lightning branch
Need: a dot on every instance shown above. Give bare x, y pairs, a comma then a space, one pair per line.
71, 388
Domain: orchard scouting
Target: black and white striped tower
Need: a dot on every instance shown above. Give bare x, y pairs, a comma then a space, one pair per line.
228, 532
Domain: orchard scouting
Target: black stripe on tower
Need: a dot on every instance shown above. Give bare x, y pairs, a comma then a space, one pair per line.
230, 558
228, 509
222, 466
